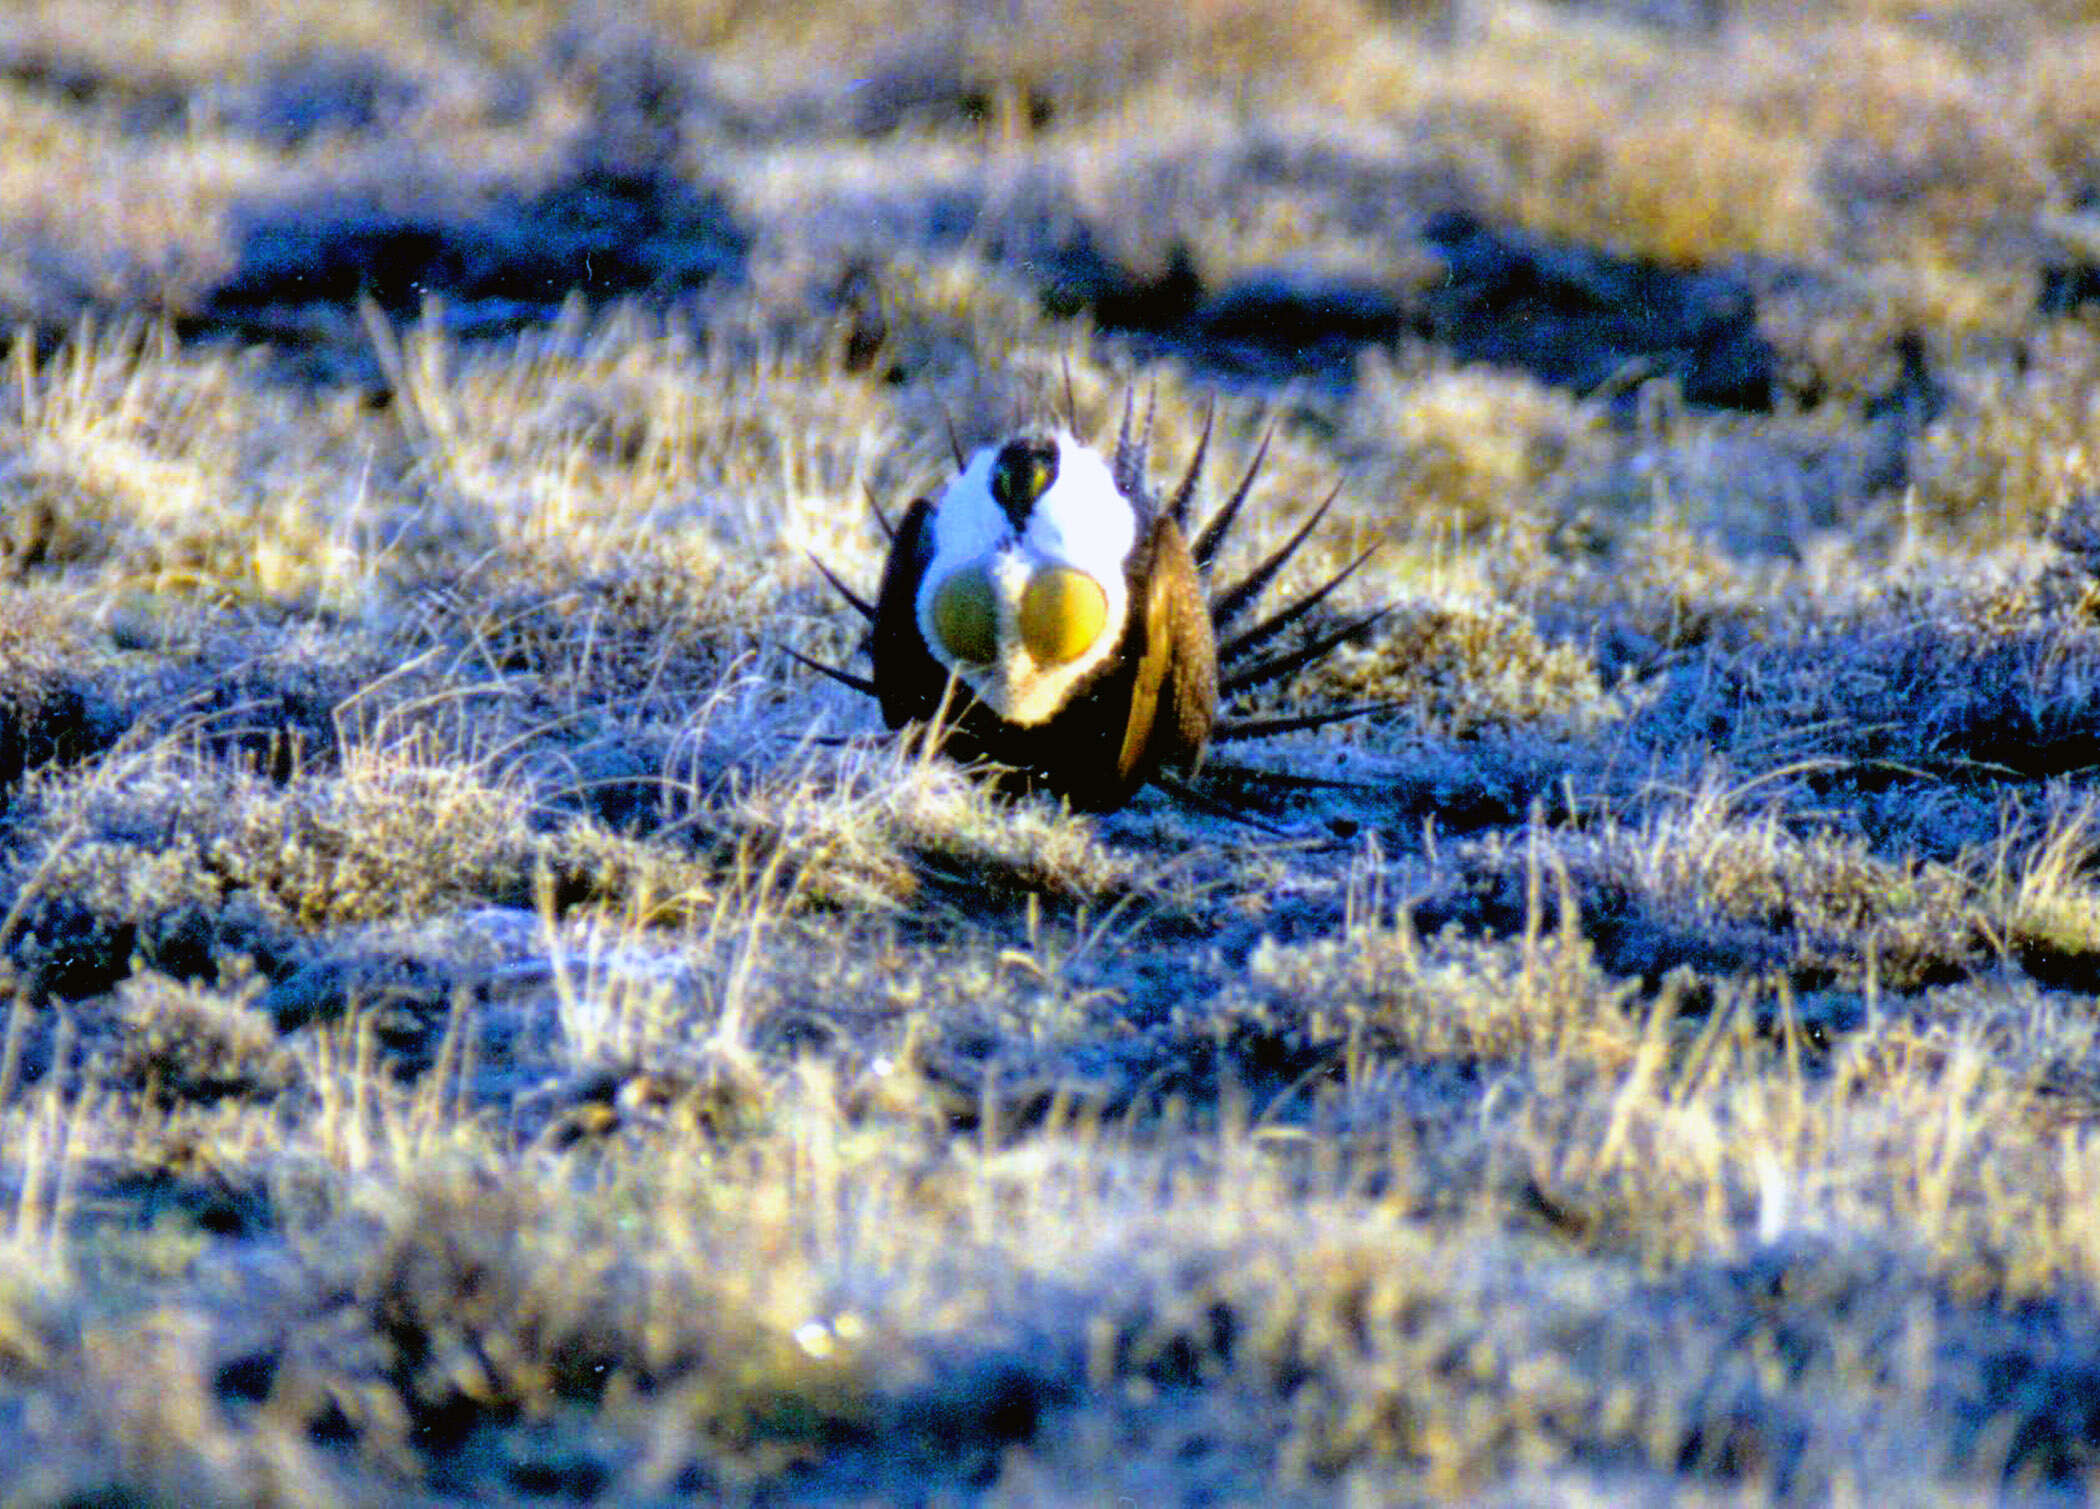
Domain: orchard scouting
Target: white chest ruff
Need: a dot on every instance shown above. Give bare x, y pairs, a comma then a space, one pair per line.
1081, 522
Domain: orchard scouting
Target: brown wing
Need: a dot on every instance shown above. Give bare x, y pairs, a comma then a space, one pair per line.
1174, 690
908, 680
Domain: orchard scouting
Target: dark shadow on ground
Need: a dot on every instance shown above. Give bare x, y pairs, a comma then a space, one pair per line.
600, 232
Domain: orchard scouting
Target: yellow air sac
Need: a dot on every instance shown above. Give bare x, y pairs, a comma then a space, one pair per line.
965, 618
1062, 613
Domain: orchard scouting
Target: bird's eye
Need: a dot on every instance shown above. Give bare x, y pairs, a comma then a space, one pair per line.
1062, 613
965, 618
1023, 471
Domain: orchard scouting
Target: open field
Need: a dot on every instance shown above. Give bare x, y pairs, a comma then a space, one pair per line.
482, 1022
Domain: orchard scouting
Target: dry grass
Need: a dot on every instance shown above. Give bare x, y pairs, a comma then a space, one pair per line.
481, 1022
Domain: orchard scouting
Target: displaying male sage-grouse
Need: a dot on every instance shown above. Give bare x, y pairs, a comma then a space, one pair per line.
1058, 622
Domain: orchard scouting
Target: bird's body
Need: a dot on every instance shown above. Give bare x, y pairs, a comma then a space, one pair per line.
1069, 614
1050, 616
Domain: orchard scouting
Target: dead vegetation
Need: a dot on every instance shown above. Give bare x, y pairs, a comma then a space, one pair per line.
481, 1022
